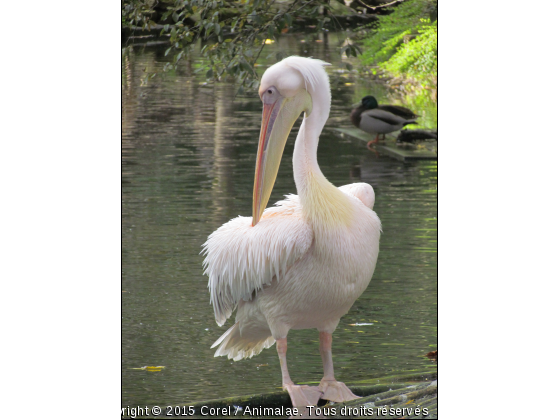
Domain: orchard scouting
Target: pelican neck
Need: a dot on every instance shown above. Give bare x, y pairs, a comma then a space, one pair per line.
306, 167
322, 203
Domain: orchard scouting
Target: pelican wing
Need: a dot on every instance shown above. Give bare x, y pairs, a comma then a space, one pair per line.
241, 258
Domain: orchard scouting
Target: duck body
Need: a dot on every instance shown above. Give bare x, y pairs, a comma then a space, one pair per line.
380, 119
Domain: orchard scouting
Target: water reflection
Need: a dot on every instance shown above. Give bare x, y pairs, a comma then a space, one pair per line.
188, 160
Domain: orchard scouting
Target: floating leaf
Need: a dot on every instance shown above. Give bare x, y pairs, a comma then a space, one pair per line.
150, 368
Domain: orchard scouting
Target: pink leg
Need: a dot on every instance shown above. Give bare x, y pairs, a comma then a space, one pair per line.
325, 347
331, 389
303, 395
282, 349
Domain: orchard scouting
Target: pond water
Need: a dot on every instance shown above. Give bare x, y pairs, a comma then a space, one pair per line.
188, 154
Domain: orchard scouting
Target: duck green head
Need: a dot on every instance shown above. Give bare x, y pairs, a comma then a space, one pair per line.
369, 102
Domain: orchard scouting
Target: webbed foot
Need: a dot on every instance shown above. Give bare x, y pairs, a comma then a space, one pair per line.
303, 395
336, 391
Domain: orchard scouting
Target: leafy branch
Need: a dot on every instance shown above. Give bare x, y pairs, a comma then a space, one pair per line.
233, 31
381, 6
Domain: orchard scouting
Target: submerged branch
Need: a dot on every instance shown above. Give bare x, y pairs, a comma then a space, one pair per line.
381, 6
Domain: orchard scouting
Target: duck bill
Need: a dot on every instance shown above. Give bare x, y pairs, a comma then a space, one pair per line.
275, 128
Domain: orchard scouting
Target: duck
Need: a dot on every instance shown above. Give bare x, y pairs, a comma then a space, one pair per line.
380, 119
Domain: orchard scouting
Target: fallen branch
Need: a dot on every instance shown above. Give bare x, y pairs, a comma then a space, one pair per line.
381, 6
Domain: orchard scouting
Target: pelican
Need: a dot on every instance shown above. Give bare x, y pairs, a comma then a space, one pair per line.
302, 263
380, 119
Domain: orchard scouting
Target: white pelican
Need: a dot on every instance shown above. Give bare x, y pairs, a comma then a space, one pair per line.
303, 263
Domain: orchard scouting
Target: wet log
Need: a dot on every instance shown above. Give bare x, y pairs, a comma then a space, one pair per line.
395, 399
390, 391
410, 400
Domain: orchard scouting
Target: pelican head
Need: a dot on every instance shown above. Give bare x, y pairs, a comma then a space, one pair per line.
284, 91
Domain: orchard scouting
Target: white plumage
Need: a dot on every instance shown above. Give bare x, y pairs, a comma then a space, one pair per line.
242, 259
306, 260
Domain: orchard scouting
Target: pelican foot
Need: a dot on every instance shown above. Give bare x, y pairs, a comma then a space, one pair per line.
336, 391
303, 395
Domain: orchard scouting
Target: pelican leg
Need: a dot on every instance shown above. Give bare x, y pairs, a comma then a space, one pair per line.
332, 389
301, 395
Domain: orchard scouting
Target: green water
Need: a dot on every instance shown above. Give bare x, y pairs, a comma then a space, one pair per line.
188, 155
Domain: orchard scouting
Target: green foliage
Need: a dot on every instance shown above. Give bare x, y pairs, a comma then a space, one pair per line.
418, 57
232, 33
404, 43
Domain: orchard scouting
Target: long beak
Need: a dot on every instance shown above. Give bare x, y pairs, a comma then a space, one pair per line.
269, 155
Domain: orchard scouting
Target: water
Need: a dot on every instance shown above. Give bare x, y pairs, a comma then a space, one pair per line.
188, 163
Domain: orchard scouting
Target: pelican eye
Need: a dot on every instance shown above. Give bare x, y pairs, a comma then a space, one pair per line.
270, 95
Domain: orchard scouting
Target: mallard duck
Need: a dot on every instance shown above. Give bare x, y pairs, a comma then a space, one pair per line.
380, 119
